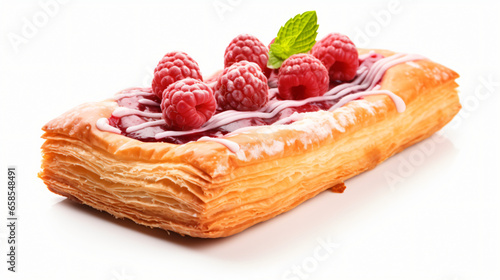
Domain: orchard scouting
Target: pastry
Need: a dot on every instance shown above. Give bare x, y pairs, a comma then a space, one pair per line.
240, 168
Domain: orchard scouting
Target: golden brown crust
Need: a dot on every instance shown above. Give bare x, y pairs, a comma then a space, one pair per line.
202, 189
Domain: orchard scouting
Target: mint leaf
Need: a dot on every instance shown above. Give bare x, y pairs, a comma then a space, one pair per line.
274, 60
298, 35
278, 51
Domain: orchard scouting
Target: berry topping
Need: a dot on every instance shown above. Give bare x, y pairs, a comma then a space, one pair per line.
187, 104
242, 86
302, 76
339, 55
249, 48
174, 66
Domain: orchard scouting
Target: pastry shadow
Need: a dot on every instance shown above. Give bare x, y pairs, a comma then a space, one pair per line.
157, 233
327, 215
411, 170
433, 154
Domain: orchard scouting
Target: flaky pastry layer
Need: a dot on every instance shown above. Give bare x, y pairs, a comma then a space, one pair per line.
202, 189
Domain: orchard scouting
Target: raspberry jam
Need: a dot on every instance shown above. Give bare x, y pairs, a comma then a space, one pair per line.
136, 101
139, 115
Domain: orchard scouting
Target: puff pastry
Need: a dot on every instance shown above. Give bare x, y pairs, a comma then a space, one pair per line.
203, 189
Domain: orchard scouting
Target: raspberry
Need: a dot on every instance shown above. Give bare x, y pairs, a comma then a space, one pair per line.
187, 104
249, 48
302, 76
174, 66
339, 55
242, 86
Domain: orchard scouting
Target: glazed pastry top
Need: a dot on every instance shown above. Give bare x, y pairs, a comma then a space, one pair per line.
139, 114
308, 132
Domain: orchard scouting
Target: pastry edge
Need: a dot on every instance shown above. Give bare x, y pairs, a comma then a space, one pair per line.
217, 166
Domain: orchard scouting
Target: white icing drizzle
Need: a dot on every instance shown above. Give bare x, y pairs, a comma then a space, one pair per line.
366, 55
103, 125
398, 101
148, 102
231, 146
292, 118
272, 93
365, 84
144, 125
122, 112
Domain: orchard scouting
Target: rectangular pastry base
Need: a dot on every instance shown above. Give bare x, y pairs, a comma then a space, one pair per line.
201, 189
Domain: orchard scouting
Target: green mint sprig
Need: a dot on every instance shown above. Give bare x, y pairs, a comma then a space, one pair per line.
298, 35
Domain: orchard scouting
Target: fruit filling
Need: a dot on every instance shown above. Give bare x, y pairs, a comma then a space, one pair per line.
260, 85
139, 114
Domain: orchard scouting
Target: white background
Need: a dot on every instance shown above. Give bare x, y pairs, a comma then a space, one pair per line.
439, 220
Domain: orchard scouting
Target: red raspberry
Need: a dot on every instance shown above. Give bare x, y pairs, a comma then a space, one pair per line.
339, 55
242, 86
302, 76
174, 66
187, 104
249, 48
